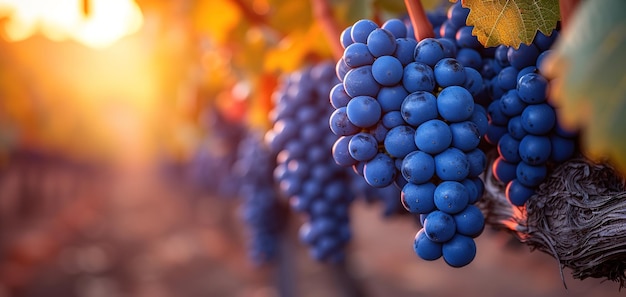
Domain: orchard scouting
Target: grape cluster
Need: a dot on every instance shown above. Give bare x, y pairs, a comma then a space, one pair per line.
405, 114
261, 210
523, 123
306, 173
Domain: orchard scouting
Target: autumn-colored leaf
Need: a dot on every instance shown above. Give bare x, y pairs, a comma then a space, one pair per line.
590, 89
511, 22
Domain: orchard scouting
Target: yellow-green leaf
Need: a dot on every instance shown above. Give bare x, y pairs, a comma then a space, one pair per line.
511, 22
588, 66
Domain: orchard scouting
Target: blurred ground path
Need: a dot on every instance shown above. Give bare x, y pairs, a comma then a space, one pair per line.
70, 230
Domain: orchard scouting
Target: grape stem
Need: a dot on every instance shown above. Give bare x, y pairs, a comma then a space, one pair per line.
421, 25
324, 15
567, 9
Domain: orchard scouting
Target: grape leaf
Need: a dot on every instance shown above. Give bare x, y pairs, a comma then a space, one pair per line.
511, 22
588, 64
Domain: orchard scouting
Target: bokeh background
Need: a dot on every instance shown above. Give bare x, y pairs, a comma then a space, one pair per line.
116, 118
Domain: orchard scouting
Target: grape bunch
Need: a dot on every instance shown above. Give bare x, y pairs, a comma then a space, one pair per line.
405, 114
306, 173
523, 123
261, 210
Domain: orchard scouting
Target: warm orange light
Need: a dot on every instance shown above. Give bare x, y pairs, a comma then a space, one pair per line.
106, 22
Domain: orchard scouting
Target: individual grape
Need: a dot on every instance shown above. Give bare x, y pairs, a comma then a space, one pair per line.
338, 96
515, 128
465, 39
449, 72
504, 171
429, 51
562, 148
339, 123
380, 171
538, 119
535, 149
400, 141
495, 114
531, 88
465, 135
387, 70
381, 42
439, 226
433, 136
517, 193
418, 167
357, 54
473, 82
419, 107
524, 56
363, 111
544, 42
455, 104
507, 78
396, 27
457, 14
391, 98
479, 117
477, 161
345, 37
449, 47
508, 148
494, 133
531, 175
362, 146
541, 59
448, 30
379, 132
459, 251
405, 48
341, 69
451, 164
526, 70
511, 104
418, 198
418, 77
501, 56
361, 30
451, 197
393, 119
360, 82
470, 221
425, 248
341, 153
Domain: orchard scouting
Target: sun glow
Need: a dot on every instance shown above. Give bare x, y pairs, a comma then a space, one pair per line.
99, 25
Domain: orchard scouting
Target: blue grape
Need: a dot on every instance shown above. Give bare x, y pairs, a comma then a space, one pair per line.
531, 175
425, 248
338, 96
418, 77
535, 149
419, 107
541, 59
511, 104
507, 78
360, 82
501, 56
448, 30
524, 56
531, 88
396, 27
494, 133
517, 193
451, 164
449, 47
477, 161
380, 171
357, 54
504, 171
544, 42
473, 194
455, 104
479, 117
400, 141
562, 148
451, 197
418, 167
433, 136
341, 153
508, 148
465, 135
387, 70
457, 14
465, 39
459, 251
363, 111
439, 226
449, 72
362, 146
470, 221
495, 114
515, 128
379, 132
526, 70
390, 98
345, 37
393, 119
405, 48
361, 29
419, 198
473, 82
341, 69
340, 124
381, 42
429, 51
538, 119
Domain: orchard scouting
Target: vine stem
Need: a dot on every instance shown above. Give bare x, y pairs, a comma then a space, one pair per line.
567, 9
323, 13
421, 25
